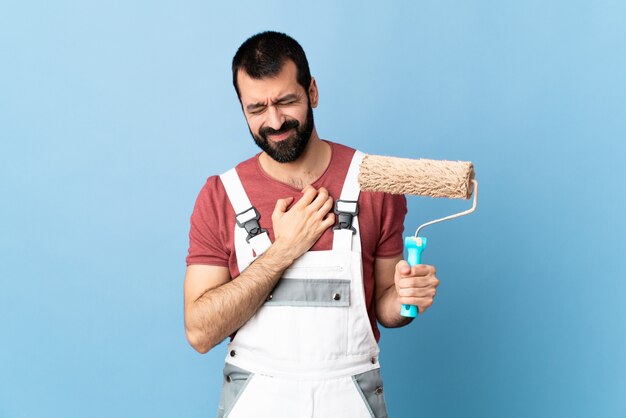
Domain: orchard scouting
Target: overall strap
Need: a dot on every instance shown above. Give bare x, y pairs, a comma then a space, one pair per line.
346, 234
246, 215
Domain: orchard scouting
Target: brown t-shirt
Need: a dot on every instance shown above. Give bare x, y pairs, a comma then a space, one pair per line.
381, 218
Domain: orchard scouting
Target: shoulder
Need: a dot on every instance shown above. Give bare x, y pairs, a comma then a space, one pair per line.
341, 158
209, 200
212, 187
249, 169
341, 150
214, 184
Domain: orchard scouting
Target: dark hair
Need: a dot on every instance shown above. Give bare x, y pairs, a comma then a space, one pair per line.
264, 54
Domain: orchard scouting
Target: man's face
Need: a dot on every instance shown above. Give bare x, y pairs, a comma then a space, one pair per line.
279, 112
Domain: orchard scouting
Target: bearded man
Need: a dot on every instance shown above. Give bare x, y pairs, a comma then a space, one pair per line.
292, 261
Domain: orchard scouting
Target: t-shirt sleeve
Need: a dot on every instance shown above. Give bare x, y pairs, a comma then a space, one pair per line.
206, 236
394, 210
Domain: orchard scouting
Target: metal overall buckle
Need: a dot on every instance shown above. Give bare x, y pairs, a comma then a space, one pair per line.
346, 210
249, 220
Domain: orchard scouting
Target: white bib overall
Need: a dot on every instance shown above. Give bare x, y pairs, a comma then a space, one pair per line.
309, 351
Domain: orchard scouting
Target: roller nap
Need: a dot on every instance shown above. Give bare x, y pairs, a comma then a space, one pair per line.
421, 177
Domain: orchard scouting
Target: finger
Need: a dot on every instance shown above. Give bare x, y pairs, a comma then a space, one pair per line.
320, 199
417, 292
328, 221
422, 306
421, 303
308, 194
326, 207
417, 282
423, 270
282, 205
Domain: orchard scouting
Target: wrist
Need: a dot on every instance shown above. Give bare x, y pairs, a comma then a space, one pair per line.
389, 309
282, 253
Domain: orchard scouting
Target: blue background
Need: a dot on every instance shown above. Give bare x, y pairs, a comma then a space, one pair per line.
112, 115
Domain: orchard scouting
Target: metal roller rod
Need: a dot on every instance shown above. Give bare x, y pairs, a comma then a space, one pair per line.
467, 212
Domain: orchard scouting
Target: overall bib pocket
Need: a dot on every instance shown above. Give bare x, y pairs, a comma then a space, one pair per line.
370, 387
235, 381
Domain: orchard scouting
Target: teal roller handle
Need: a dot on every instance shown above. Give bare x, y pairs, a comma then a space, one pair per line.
414, 247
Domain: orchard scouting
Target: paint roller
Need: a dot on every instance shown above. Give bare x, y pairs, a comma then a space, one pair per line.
421, 177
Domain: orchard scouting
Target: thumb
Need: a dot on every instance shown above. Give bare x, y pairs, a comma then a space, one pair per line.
403, 267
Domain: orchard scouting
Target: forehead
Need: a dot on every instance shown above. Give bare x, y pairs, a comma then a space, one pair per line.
260, 90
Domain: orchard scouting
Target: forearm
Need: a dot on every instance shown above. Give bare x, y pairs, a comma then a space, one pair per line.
220, 311
388, 309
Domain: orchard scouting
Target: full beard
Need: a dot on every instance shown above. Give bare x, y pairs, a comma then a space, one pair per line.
291, 148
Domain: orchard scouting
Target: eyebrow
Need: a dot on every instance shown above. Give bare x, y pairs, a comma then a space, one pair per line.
286, 98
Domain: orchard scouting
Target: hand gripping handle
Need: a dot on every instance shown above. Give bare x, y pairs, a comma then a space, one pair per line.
414, 247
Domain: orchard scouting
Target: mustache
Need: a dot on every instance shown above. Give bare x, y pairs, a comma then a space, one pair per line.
287, 125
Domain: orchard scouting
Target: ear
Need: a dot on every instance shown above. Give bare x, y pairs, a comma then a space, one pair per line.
313, 93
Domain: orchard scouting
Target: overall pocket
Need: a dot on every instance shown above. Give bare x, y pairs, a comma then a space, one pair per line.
235, 381
370, 387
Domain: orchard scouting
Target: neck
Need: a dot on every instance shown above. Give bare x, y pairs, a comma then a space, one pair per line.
306, 169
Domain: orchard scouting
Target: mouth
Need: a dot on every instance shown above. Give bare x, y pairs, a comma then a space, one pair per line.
281, 136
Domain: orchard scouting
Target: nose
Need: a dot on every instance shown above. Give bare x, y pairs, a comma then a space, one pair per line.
275, 118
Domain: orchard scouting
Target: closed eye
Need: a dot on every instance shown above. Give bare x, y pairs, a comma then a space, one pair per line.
287, 100
256, 109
